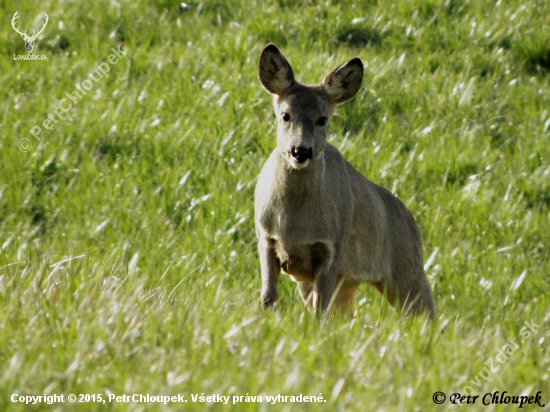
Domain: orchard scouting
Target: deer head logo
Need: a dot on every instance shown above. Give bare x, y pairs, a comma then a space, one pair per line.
29, 40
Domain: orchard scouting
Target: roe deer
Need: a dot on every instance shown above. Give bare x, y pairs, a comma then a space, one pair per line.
317, 218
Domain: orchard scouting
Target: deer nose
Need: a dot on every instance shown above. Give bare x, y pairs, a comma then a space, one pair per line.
301, 154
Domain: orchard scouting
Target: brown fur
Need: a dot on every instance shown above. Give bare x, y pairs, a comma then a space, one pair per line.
320, 220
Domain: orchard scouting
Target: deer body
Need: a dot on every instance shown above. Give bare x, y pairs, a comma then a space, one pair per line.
317, 218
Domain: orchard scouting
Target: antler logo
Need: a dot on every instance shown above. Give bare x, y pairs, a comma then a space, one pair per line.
29, 40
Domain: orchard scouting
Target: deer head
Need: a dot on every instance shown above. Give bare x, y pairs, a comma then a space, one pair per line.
29, 40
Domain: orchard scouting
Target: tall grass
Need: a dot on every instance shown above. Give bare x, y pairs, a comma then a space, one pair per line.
128, 258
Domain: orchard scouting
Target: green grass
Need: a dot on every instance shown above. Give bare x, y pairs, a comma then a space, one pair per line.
147, 185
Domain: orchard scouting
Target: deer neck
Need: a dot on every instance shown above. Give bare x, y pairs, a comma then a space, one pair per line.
300, 183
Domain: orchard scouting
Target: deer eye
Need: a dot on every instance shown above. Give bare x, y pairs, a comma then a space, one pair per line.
286, 117
322, 121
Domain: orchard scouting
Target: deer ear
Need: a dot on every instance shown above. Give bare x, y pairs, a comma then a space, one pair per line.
345, 81
274, 70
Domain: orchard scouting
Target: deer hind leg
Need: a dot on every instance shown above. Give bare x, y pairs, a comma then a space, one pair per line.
342, 301
306, 290
344, 297
422, 300
412, 298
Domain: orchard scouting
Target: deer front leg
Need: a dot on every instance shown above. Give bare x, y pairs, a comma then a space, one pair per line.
326, 274
271, 268
323, 288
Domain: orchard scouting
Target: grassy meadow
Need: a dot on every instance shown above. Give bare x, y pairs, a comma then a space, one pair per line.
128, 260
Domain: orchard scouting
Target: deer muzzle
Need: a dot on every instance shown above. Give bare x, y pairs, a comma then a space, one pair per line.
299, 156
